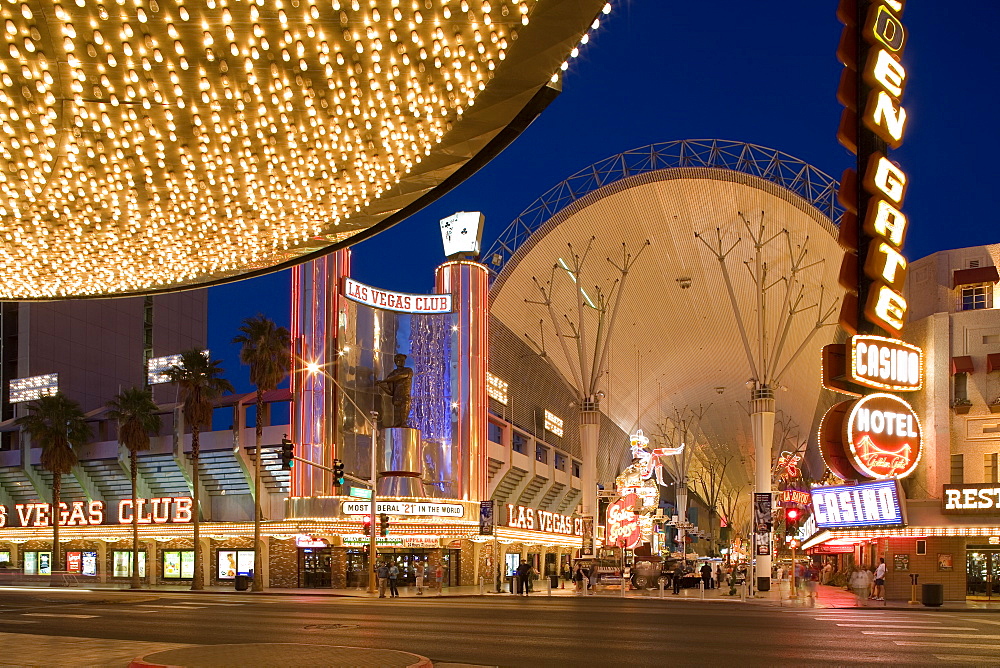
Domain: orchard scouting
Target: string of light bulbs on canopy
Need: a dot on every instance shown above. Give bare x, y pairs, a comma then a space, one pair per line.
148, 144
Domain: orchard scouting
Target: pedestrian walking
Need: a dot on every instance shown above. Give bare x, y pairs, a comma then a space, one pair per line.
879, 593
521, 574
718, 575
578, 578
439, 578
811, 577
382, 573
678, 577
418, 576
826, 573
393, 577
859, 584
706, 576
533, 575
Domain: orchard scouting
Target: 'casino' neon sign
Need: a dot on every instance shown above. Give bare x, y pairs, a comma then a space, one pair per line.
875, 503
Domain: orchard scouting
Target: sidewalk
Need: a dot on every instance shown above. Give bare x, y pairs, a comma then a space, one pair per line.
826, 596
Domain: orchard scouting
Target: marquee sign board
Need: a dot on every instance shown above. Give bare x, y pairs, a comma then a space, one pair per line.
403, 508
623, 528
885, 364
158, 510
874, 120
395, 301
876, 436
872, 362
522, 517
867, 504
975, 499
883, 433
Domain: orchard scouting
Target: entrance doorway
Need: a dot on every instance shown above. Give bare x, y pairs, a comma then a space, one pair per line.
982, 574
315, 567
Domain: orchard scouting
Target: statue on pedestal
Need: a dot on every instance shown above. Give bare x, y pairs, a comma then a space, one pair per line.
397, 385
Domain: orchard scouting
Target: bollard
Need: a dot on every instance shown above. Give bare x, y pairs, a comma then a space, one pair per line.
743, 592
661, 587
623, 586
701, 586
481, 585
914, 600
548, 586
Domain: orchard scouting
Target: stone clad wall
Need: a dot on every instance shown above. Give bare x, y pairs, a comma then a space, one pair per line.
283, 564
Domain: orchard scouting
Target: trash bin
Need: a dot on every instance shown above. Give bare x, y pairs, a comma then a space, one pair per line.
510, 583
242, 582
554, 581
932, 594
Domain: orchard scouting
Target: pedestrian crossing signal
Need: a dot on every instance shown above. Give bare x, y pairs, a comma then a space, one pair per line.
338, 472
287, 454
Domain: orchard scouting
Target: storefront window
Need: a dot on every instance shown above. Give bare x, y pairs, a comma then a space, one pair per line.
234, 562
177, 565
122, 563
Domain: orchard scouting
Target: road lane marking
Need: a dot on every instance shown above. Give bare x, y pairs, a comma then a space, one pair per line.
964, 658
169, 607
19, 621
57, 614
932, 635
950, 645
936, 628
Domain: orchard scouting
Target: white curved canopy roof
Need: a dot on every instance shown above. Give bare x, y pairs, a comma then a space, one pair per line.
676, 348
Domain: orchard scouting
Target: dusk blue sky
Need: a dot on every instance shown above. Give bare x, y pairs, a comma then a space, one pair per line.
762, 73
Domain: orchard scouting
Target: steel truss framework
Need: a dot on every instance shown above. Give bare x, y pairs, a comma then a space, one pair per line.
816, 187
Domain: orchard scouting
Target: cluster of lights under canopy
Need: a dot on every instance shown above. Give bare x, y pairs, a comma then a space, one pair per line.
156, 144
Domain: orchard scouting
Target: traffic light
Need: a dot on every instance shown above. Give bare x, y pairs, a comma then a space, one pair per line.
338, 472
367, 522
383, 525
792, 517
287, 453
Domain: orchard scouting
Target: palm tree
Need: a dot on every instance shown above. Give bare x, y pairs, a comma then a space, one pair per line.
136, 415
199, 381
267, 350
56, 424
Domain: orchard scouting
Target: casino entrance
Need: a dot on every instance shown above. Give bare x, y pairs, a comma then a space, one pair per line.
982, 575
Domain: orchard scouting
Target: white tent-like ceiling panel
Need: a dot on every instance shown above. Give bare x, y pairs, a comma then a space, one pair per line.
675, 343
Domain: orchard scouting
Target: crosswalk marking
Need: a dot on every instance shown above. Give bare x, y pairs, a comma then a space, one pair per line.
976, 620
910, 626
58, 614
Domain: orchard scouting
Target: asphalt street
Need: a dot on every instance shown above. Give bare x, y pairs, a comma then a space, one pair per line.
515, 631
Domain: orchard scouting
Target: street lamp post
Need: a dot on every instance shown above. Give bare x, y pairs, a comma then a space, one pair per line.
372, 545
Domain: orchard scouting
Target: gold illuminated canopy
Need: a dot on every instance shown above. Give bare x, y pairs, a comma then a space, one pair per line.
156, 144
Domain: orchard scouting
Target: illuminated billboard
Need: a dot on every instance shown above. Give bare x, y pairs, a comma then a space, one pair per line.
867, 504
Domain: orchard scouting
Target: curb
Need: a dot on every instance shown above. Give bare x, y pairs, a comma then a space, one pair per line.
245, 654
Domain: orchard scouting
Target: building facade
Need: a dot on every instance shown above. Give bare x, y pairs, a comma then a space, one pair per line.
952, 500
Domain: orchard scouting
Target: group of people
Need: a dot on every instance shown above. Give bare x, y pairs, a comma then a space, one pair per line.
524, 578
389, 575
871, 584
